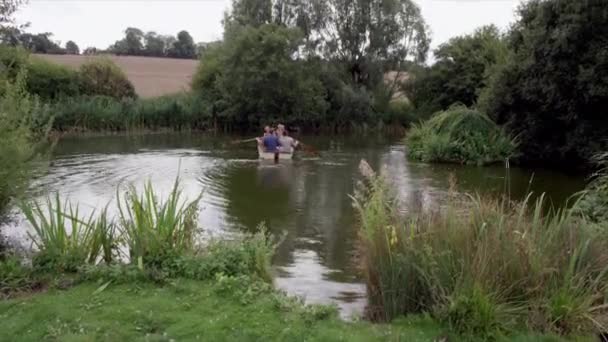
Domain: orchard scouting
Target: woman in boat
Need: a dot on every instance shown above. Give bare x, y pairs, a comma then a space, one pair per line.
286, 143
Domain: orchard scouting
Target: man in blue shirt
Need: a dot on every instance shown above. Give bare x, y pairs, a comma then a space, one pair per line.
271, 142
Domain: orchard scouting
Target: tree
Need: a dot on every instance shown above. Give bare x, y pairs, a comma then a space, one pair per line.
9, 30
368, 37
184, 46
71, 48
553, 92
252, 78
40, 43
251, 12
131, 44
462, 68
155, 45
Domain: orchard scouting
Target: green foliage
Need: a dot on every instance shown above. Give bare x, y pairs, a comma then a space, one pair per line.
462, 69
594, 200
12, 61
154, 229
484, 266
14, 276
226, 309
101, 113
250, 256
39, 43
459, 135
20, 124
101, 76
553, 90
252, 78
51, 81
183, 47
65, 240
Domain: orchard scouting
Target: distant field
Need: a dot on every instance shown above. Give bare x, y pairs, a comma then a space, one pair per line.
151, 76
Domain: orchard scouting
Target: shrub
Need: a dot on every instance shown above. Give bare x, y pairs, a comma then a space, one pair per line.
21, 132
247, 256
157, 230
101, 76
51, 81
459, 135
484, 265
12, 60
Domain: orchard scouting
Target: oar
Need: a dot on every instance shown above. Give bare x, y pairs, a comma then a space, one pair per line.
244, 141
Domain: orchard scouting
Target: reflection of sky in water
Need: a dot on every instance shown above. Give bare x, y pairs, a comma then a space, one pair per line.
306, 200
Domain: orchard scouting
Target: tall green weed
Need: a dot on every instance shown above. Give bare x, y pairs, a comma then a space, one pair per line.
485, 266
155, 229
65, 240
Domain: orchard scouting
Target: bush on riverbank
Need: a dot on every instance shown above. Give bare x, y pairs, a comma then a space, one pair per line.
158, 235
100, 113
459, 135
483, 266
20, 137
101, 76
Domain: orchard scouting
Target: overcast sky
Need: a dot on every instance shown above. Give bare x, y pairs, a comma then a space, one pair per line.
100, 23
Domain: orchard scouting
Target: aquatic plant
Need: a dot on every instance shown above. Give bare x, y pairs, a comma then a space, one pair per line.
155, 230
483, 265
459, 135
64, 239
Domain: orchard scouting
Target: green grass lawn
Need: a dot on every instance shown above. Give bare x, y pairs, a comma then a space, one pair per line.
183, 311
187, 310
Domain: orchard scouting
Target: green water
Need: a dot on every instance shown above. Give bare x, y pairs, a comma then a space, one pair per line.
306, 199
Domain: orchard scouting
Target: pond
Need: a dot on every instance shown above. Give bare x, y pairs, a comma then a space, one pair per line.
306, 199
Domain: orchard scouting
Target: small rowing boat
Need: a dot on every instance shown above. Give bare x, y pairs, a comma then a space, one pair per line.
271, 156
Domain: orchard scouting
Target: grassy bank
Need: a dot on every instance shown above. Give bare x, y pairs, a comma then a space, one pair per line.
459, 135
485, 267
227, 309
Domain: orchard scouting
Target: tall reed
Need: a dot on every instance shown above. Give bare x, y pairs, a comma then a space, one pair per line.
156, 230
65, 240
482, 265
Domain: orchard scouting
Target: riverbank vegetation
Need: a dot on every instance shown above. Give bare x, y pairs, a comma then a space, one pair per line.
459, 135
22, 134
538, 80
114, 295
483, 266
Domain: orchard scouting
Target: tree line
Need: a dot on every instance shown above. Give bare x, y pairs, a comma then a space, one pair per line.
134, 43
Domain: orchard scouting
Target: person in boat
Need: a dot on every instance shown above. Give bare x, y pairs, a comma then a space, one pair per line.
270, 141
286, 143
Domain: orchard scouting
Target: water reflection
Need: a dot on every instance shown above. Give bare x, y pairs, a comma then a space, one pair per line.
306, 200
